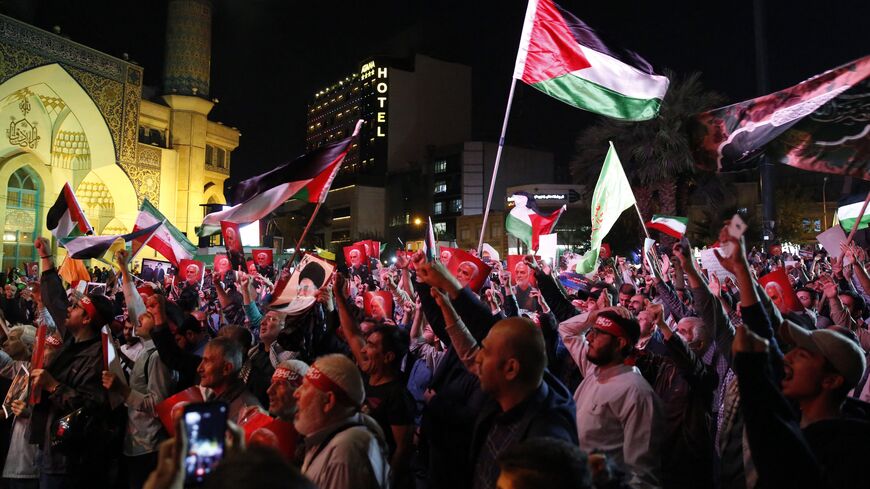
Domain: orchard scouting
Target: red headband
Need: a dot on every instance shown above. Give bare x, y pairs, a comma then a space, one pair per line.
323, 383
290, 376
88, 306
611, 327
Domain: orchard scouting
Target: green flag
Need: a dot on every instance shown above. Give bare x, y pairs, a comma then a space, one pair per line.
612, 196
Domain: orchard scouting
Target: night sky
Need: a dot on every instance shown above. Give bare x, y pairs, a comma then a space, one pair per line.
270, 56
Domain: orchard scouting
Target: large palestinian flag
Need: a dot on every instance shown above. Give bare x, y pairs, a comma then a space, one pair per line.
306, 178
821, 124
564, 58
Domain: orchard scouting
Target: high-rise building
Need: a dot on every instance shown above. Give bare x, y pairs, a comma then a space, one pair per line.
409, 108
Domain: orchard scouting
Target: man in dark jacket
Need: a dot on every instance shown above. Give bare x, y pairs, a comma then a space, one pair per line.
72, 381
524, 401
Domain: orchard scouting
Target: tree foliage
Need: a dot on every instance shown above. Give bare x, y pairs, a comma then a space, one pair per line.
653, 152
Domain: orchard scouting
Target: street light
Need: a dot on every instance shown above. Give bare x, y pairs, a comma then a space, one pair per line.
418, 221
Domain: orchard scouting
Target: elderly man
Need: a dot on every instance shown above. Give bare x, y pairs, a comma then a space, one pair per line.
219, 372
264, 265
524, 401
285, 381
344, 448
523, 292
192, 274
466, 272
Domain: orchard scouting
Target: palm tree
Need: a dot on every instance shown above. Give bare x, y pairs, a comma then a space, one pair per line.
656, 154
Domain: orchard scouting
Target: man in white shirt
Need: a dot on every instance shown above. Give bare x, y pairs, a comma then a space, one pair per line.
618, 413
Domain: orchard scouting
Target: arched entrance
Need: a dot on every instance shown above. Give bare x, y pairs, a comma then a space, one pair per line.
58, 133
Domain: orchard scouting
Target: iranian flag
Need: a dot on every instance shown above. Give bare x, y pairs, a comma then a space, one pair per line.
564, 58
166, 240
671, 225
527, 223
307, 178
849, 210
66, 217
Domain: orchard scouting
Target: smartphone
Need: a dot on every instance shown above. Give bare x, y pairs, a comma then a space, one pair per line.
206, 426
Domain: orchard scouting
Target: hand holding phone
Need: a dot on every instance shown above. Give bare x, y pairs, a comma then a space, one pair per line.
205, 426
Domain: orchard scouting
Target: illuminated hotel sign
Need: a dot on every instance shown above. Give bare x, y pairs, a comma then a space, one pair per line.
379, 81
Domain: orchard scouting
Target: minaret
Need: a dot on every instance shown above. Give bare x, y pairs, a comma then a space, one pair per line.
185, 86
187, 65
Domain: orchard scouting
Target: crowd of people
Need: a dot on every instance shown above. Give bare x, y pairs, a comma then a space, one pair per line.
662, 375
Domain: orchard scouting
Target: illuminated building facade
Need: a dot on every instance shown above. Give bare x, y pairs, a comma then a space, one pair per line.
461, 175
409, 107
74, 114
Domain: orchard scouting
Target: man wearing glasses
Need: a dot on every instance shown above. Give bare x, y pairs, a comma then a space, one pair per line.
618, 413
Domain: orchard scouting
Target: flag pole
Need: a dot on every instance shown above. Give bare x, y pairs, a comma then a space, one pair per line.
640, 216
507, 113
304, 233
858, 221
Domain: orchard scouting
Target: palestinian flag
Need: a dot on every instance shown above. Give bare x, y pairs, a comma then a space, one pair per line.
66, 217
527, 223
821, 124
564, 58
97, 246
167, 240
848, 210
671, 225
307, 178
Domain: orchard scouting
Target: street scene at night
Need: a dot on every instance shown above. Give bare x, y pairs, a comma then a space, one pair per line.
511, 244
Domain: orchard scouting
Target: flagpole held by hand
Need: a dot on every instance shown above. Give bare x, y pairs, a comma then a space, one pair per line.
858, 220
507, 113
642, 222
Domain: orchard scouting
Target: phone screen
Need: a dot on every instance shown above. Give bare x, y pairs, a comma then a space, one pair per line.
206, 426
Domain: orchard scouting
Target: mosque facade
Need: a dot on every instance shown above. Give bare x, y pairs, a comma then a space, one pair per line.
69, 113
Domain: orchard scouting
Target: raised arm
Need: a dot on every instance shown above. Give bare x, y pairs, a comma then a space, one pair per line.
135, 304
349, 326
51, 290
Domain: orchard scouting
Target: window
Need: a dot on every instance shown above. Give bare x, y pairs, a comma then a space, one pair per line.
209, 154
340, 212
22, 218
455, 205
439, 208
440, 187
220, 158
400, 220
817, 225
340, 236
439, 227
440, 166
